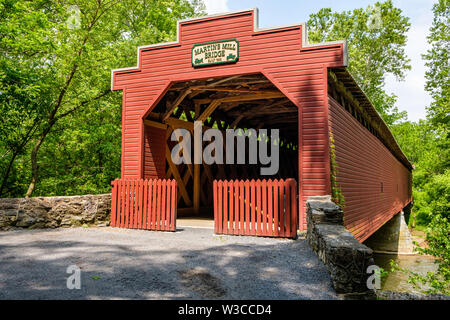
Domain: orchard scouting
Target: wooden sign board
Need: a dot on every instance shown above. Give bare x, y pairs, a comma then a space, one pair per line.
217, 52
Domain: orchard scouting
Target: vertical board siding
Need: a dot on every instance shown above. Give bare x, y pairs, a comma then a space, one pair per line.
144, 204
300, 73
375, 185
266, 208
154, 153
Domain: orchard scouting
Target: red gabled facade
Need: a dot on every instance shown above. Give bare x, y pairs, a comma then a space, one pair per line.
283, 55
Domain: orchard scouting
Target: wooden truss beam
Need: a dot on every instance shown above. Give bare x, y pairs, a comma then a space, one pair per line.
175, 104
172, 122
215, 83
209, 110
247, 97
231, 89
236, 121
176, 175
155, 124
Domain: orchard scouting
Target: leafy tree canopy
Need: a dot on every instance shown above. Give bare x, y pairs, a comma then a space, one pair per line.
437, 62
56, 58
376, 38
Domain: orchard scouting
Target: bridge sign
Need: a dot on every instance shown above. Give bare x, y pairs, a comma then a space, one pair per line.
217, 52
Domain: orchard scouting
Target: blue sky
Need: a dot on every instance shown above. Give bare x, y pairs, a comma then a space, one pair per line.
411, 94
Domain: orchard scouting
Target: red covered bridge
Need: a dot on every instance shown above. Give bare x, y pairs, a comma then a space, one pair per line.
226, 72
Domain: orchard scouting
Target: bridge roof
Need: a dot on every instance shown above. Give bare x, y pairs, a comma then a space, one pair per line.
387, 137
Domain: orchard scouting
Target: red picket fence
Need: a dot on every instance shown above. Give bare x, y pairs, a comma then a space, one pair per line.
144, 204
265, 208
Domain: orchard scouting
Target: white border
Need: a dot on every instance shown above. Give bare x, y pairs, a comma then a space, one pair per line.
305, 43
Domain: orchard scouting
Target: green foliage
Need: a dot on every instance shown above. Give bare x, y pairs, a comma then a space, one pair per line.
56, 103
439, 246
438, 240
382, 273
376, 39
60, 124
431, 209
438, 194
426, 148
427, 145
437, 61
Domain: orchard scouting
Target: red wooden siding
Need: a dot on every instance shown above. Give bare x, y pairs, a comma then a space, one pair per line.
299, 72
365, 167
144, 204
265, 208
154, 153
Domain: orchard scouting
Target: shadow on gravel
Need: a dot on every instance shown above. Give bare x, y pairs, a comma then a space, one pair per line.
157, 266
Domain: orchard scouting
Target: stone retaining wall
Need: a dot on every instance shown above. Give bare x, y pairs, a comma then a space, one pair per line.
54, 212
345, 257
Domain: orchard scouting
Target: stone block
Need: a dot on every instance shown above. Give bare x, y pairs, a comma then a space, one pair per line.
53, 212
393, 237
345, 257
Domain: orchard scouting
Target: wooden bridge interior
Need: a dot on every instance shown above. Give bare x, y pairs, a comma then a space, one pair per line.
246, 101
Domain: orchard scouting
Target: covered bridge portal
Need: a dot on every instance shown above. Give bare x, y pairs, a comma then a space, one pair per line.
226, 72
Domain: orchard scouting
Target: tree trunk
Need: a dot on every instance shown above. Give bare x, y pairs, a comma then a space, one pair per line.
53, 118
34, 164
16, 152
8, 170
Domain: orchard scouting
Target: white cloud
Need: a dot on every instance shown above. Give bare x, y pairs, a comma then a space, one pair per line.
216, 6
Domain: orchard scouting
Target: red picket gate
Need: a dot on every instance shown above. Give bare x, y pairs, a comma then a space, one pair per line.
265, 208
144, 204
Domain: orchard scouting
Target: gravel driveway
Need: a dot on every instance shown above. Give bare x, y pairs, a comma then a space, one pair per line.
192, 263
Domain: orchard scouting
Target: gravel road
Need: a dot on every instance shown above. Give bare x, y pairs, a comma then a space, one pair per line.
192, 263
